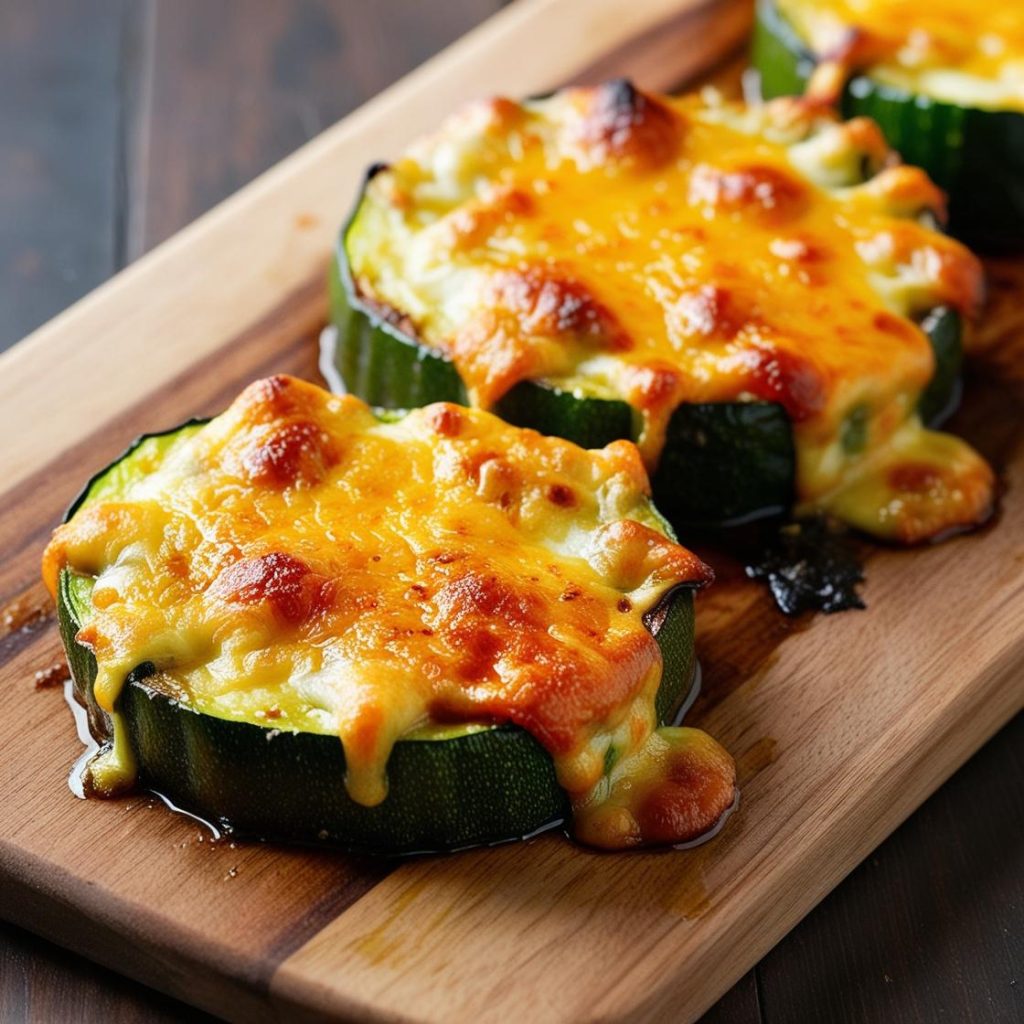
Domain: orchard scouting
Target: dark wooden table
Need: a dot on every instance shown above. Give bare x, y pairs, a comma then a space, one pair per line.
121, 121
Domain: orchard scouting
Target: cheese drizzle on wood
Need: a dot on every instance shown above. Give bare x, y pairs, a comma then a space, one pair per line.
621, 244
962, 52
298, 560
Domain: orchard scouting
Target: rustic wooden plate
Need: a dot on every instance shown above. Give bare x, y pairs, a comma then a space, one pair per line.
841, 726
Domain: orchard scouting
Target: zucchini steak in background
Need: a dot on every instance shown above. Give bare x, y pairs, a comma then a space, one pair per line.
944, 79
758, 295
496, 625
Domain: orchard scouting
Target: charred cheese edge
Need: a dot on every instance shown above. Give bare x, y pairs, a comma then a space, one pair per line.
299, 558
956, 51
621, 244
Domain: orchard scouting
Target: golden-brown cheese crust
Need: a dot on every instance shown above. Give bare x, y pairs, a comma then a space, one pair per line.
668, 251
297, 555
621, 126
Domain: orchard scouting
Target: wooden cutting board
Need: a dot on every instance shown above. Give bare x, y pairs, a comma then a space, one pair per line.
840, 726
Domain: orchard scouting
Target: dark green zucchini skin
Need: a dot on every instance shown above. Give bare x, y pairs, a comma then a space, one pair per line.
976, 156
260, 782
939, 400
723, 463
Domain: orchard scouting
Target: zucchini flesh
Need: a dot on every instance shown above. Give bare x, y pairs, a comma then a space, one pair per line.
976, 156
470, 785
723, 463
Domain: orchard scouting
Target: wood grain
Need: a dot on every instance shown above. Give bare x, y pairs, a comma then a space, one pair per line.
282, 339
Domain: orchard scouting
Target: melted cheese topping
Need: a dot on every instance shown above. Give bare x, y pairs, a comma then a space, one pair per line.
667, 251
960, 51
299, 560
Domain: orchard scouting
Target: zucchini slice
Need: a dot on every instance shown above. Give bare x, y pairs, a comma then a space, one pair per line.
449, 785
975, 154
745, 292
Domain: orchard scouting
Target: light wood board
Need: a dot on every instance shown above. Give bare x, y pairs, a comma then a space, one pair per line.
841, 726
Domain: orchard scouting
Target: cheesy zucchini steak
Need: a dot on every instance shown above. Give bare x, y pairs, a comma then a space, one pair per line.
305, 622
943, 78
756, 295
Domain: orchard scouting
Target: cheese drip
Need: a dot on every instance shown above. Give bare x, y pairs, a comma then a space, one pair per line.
299, 560
662, 251
961, 52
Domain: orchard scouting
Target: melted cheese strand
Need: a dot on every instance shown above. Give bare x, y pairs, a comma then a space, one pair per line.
674, 250
298, 557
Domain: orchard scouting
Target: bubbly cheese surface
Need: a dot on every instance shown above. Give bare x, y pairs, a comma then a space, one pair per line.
680, 250
299, 561
960, 51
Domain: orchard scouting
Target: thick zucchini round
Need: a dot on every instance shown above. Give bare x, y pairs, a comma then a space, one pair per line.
462, 786
975, 155
723, 463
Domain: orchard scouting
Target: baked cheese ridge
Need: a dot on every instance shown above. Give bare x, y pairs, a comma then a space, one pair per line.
299, 561
966, 53
622, 244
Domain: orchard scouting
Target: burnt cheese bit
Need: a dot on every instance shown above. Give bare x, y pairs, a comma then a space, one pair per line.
769, 195
620, 125
272, 398
474, 593
547, 303
278, 581
673, 789
652, 385
790, 378
529, 317
561, 495
696, 786
293, 454
444, 419
478, 613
